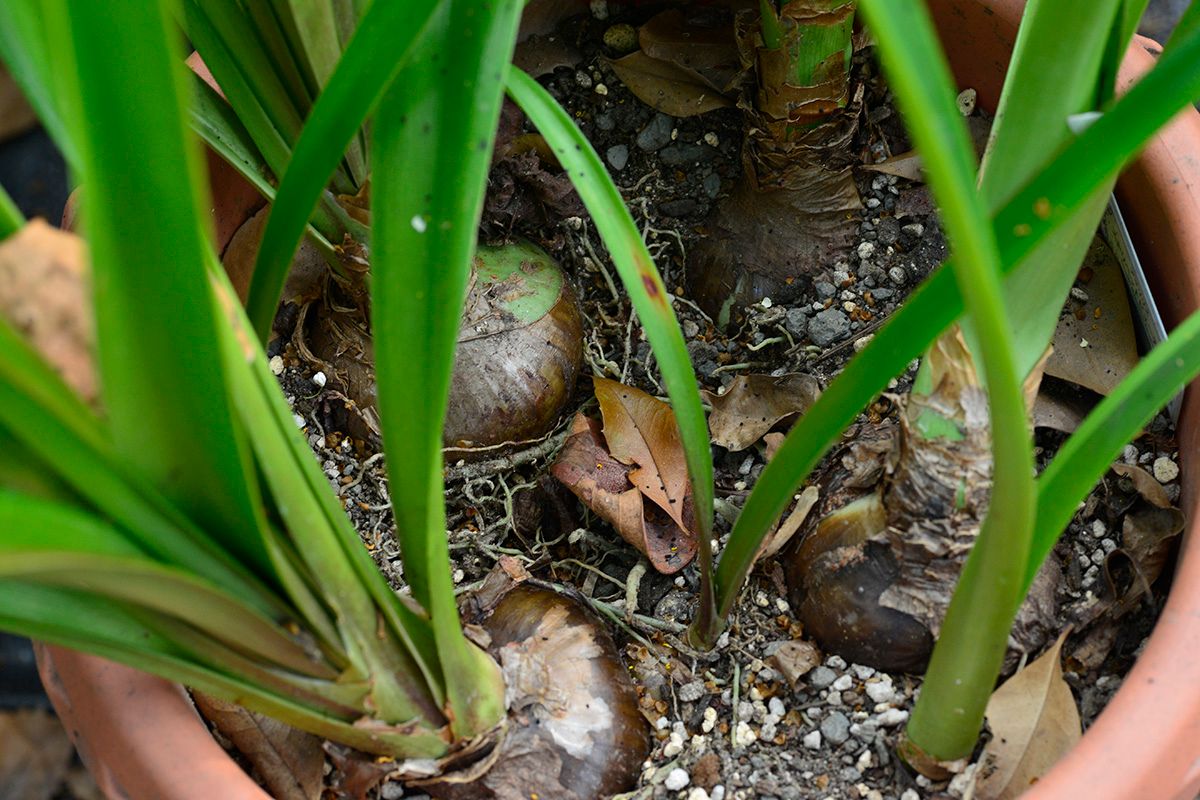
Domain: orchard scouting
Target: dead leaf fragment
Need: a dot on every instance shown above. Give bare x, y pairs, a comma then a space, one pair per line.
1147, 535
905, 165
34, 754
603, 484
641, 430
756, 403
796, 659
45, 293
1034, 722
670, 88
1104, 322
289, 762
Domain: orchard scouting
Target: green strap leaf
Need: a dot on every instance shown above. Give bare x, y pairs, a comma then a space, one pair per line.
164, 392
380, 47
431, 147
649, 296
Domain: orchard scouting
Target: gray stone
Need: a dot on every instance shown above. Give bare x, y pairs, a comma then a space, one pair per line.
883, 294
898, 276
679, 154
836, 727
888, 230
796, 322
828, 326
825, 290
605, 122
618, 156
657, 133
711, 185
821, 677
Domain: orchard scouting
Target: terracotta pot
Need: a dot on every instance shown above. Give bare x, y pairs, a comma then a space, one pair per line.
142, 739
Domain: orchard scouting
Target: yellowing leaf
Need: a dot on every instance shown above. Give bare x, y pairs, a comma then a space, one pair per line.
1034, 722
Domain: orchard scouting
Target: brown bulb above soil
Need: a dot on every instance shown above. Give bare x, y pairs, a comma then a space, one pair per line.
519, 351
574, 729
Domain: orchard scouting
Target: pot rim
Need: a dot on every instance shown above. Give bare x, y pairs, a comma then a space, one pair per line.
1146, 742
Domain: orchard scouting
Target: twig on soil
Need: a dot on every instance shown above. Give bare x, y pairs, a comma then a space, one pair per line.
541, 448
632, 582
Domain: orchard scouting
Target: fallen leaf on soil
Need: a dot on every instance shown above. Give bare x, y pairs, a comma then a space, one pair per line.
34, 754
773, 442
603, 484
45, 294
756, 403
640, 431
709, 50
1034, 721
1147, 535
905, 165
289, 762
795, 659
667, 87
541, 55
1095, 345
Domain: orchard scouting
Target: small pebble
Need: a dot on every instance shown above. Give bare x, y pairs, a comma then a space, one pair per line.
623, 38
718, 792
813, 740
836, 727
319, 378
898, 276
1099, 529
276, 365
891, 717
776, 707
743, 735
677, 779
881, 691
657, 133
673, 747
697, 793
599, 9
843, 683
914, 229
821, 677
1129, 454
601, 89
866, 249
299, 420
1165, 470
910, 794
710, 719
618, 156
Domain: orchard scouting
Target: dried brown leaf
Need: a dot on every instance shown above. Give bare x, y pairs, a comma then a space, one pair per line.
905, 165
708, 50
1034, 721
795, 659
779, 538
667, 87
1095, 345
640, 430
45, 293
289, 762
1147, 536
34, 754
756, 403
603, 484
540, 55
1059, 410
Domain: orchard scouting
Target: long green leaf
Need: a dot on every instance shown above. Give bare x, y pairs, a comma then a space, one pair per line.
974, 634
54, 426
1095, 156
285, 461
164, 391
1086, 456
1058, 70
373, 57
76, 620
26, 52
432, 143
649, 296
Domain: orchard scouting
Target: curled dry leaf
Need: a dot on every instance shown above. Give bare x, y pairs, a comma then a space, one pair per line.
1095, 345
1147, 534
289, 762
45, 295
906, 165
1034, 721
638, 457
755, 404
